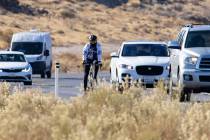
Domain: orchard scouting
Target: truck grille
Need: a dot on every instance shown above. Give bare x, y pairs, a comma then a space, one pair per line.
204, 78
205, 63
12, 70
149, 70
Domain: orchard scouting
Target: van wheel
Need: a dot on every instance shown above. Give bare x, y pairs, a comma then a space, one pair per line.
49, 74
43, 75
29, 83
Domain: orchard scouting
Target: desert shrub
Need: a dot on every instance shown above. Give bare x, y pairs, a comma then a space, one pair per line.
7, 3
102, 114
5, 38
69, 62
67, 12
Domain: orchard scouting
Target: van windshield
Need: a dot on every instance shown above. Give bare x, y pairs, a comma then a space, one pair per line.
28, 48
159, 50
198, 39
12, 58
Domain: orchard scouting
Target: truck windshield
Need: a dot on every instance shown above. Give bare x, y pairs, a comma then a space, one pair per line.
28, 48
198, 39
12, 58
130, 50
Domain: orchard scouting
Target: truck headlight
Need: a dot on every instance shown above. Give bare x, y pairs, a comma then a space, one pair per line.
27, 68
191, 60
124, 66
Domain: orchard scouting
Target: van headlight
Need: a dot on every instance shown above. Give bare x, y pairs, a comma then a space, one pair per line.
39, 57
124, 66
191, 60
27, 68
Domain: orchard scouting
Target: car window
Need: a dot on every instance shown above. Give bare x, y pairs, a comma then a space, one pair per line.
130, 50
198, 39
28, 48
12, 58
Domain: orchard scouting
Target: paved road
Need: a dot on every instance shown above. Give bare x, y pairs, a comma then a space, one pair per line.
70, 85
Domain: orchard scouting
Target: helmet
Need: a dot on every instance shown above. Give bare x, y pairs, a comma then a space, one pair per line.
92, 38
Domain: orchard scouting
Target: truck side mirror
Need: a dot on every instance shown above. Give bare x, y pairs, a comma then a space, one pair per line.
174, 45
46, 53
114, 54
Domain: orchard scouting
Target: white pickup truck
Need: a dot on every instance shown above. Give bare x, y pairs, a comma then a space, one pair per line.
140, 60
190, 60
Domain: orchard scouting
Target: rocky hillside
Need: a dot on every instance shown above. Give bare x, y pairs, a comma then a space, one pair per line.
70, 21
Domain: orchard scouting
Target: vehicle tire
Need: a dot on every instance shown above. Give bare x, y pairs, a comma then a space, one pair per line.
188, 96
185, 95
29, 83
49, 74
43, 75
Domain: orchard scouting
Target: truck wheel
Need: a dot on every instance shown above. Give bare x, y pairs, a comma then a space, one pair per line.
49, 74
43, 75
29, 83
185, 95
182, 96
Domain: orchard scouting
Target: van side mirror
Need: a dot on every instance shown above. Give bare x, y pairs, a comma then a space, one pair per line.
46, 53
114, 54
173, 45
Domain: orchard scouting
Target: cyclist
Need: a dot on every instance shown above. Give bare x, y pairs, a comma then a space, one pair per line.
92, 53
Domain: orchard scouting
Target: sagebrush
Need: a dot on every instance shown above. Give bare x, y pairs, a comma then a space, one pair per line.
103, 114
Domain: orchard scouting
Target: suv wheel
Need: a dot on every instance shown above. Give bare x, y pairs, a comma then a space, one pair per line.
185, 94
49, 74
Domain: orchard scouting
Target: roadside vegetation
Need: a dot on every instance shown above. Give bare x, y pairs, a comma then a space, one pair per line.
103, 114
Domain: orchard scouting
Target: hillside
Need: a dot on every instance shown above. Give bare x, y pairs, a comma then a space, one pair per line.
70, 21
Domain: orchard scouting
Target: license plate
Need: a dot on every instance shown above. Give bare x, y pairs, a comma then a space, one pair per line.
148, 80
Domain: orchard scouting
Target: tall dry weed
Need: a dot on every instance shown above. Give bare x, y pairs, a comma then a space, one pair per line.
102, 114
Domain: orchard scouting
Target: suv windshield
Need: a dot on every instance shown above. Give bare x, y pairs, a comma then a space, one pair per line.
12, 58
130, 50
198, 39
30, 48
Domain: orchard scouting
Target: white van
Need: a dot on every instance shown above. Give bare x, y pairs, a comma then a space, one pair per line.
37, 47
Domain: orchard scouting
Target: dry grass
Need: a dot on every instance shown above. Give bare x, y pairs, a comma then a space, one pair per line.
103, 114
71, 21
69, 62
73, 63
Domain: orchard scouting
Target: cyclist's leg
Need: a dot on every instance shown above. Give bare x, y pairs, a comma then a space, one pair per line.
86, 73
96, 72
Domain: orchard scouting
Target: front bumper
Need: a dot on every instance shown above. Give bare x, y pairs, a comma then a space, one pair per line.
199, 79
38, 67
15, 77
144, 79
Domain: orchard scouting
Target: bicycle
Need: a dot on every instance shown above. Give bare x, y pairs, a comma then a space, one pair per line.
91, 81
